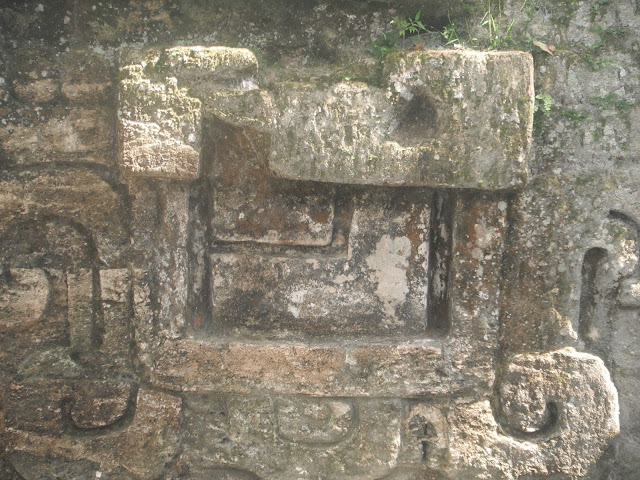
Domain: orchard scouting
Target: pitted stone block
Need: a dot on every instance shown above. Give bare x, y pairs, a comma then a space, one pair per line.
250, 204
23, 299
314, 422
206, 65
629, 295
454, 119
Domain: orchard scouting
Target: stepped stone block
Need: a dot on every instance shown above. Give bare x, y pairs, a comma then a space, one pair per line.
160, 106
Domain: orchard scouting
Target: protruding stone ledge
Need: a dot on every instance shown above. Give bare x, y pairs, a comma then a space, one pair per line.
387, 370
447, 118
454, 119
207, 64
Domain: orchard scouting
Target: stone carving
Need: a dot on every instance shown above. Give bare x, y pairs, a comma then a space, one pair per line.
79, 382
426, 133
314, 422
243, 255
299, 282
608, 315
160, 120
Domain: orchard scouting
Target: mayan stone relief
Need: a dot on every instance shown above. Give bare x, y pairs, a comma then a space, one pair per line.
282, 240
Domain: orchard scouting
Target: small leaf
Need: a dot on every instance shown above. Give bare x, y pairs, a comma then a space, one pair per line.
421, 25
418, 15
544, 47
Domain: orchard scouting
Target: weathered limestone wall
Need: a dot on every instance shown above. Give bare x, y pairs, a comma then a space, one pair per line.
261, 239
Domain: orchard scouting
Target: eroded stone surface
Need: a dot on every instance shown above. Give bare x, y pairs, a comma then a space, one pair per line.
172, 307
250, 205
552, 405
448, 119
379, 277
160, 116
455, 119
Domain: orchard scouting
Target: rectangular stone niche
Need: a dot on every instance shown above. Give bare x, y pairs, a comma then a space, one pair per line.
372, 281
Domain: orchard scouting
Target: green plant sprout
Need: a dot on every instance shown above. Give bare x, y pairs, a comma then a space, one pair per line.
498, 31
450, 34
388, 41
497, 39
598, 132
596, 64
543, 104
409, 25
541, 109
575, 115
611, 101
384, 44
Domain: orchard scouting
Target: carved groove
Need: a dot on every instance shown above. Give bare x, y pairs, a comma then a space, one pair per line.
591, 264
441, 248
120, 424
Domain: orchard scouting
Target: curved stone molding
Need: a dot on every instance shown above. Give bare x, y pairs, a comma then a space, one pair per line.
83, 200
142, 448
578, 384
609, 323
76, 408
359, 439
557, 412
38, 467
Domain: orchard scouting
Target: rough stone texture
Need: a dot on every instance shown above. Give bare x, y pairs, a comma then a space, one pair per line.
387, 246
160, 116
237, 241
455, 119
70, 114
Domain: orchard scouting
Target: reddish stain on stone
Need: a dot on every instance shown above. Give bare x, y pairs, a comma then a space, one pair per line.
322, 217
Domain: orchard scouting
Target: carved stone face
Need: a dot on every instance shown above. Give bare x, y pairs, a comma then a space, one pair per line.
330, 221
290, 281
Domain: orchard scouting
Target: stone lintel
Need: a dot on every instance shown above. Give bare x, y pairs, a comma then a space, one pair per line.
448, 118
325, 370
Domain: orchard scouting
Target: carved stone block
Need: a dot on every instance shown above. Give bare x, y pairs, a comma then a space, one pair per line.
160, 106
448, 119
331, 265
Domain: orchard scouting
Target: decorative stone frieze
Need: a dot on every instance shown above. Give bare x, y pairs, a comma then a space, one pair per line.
342, 253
